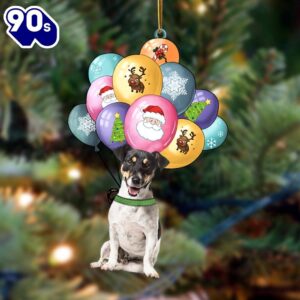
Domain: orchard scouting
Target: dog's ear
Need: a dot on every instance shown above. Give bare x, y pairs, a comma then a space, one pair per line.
162, 162
121, 152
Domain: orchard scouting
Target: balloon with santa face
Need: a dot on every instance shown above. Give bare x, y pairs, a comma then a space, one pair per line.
100, 94
150, 123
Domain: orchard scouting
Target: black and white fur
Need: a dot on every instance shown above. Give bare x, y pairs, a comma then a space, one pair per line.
134, 231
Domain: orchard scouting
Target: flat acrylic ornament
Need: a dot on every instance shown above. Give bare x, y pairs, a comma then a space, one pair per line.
161, 51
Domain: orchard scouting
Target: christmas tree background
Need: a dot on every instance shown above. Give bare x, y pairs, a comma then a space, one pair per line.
231, 220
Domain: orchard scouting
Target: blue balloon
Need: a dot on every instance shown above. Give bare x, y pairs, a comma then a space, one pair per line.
103, 65
83, 126
215, 134
179, 85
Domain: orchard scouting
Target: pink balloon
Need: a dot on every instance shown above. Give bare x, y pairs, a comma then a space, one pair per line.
151, 123
100, 94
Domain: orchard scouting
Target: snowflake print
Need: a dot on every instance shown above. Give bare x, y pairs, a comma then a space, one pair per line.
96, 69
86, 124
211, 143
220, 133
96, 66
174, 85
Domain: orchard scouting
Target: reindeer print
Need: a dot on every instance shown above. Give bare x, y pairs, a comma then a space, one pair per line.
183, 141
134, 80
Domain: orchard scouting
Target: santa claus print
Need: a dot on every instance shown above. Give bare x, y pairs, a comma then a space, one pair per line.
107, 95
150, 127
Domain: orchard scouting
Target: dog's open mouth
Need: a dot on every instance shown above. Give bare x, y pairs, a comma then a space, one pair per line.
133, 191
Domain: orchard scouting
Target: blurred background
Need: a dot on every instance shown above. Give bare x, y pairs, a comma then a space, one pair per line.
231, 220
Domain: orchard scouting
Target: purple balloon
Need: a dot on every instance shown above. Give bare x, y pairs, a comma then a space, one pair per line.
204, 109
110, 125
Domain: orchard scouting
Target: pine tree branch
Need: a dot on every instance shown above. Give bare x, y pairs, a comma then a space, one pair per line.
228, 223
260, 177
205, 52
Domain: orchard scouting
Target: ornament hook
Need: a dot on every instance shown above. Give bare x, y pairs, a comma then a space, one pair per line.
160, 34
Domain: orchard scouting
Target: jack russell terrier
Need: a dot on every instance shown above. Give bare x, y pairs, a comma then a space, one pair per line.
134, 227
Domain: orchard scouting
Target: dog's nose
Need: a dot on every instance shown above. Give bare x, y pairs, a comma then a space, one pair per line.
136, 180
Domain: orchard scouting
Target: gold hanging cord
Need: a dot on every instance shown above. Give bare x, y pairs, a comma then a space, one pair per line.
160, 32
160, 7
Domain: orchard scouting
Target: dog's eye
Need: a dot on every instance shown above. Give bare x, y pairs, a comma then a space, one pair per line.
133, 160
146, 163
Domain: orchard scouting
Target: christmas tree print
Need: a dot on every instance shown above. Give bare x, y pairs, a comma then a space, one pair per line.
118, 130
195, 110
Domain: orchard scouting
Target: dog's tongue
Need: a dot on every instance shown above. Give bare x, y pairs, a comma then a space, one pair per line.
133, 191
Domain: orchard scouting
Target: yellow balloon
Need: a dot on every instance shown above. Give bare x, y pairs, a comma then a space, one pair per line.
136, 76
186, 146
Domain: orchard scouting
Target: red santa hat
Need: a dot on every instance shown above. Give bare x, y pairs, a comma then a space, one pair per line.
106, 90
154, 112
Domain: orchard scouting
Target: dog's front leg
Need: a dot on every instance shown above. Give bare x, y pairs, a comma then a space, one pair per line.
114, 248
151, 240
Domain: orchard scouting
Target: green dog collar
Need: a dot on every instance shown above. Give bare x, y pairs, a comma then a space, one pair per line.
133, 202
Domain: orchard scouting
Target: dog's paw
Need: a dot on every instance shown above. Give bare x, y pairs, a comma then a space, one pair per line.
108, 266
96, 264
150, 272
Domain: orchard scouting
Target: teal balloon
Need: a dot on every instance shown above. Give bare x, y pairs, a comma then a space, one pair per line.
83, 126
215, 134
103, 65
179, 85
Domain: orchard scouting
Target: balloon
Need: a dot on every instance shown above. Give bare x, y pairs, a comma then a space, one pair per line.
136, 76
103, 65
100, 94
204, 109
178, 85
186, 146
110, 125
150, 124
161, 51
82, 125
216, 134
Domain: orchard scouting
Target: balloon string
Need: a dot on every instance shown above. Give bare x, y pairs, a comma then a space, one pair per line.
160, 15
108, 169
118, 173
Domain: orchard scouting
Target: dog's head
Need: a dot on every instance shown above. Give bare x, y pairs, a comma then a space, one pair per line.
139, 167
